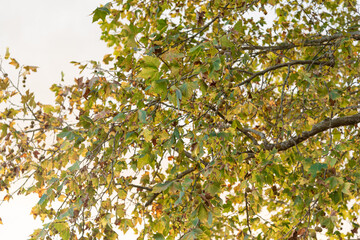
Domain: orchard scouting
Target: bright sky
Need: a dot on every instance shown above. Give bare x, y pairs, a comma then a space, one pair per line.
48, 34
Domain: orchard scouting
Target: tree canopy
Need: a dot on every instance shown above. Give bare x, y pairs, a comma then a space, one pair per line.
210, 120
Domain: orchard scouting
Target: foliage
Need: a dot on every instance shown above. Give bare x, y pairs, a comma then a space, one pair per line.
213, 120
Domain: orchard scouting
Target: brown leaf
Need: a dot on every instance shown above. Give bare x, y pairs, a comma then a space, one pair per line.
302, 232
86, 93
200, 18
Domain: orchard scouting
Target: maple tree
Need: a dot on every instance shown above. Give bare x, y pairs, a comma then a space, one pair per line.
211, 120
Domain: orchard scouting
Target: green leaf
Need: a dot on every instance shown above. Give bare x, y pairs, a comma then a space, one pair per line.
148, 72
187, 89
333, 182
66, 214
63, 229
178, 97
216, 63
213, 189
143, 161
119, 116
75, 166
331, 161
334, 94
53, 180
160, 87
151, 62
178, 201
210, 218
192, 235
317, 167
346, 188
160, 187
4, 129
202, 213
63, 134
336, 196
224, 41
100, 13
194, 51
43, 199
142, 116
238, 26
158, 236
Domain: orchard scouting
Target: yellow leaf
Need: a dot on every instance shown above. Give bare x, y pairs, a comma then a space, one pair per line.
14, 63
35, 211
43, 216
48, 108
124, 84
147, 135
158, 42
311, 121
61, 198
7, 54
271, 2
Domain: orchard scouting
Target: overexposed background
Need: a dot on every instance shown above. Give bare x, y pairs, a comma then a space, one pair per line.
50, 34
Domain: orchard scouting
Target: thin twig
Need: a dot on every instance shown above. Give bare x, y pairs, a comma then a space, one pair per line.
247, 213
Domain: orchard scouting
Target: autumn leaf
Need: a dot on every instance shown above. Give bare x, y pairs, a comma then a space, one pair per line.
40, 191
14, 63
7, 54
31, 68
7, 197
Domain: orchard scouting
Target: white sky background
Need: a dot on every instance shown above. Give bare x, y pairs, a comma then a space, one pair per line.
48, 34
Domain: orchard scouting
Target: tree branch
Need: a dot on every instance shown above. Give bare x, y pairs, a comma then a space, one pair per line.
287, 64
317, 128
247, 213
140, 187
179, 176
306, 43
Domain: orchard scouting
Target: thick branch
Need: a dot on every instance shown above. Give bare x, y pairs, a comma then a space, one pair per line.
287, 64
317, 128
305, 43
